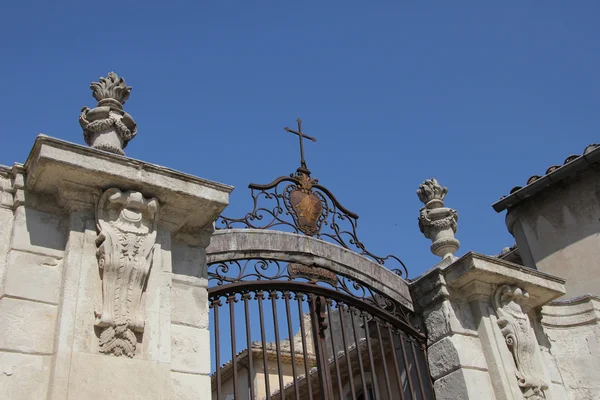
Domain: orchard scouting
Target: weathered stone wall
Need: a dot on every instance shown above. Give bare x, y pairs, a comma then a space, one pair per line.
57, 256
557, 232
479, 315
572, 335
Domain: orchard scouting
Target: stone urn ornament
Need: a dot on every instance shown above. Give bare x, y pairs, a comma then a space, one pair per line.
107, 127
436, 222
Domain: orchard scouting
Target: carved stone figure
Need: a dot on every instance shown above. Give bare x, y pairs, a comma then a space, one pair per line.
127, 233
107, 127
437, 222
520, 339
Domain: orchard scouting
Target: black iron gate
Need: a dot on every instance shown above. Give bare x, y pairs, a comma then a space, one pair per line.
284, 329
294, 337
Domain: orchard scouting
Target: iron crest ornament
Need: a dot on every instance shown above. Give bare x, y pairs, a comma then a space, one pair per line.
301, 204
305, 206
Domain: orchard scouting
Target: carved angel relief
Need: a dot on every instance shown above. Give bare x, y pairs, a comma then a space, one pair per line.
126, 223
520, 339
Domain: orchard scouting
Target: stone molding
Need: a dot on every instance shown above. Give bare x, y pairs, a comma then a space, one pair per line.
188, 203
232, 244
127, 223
584, 310
520, 339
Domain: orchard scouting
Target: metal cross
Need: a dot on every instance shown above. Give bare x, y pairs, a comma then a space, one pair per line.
301, 135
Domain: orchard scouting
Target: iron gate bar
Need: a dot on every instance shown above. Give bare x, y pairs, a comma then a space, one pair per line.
335, 354
348, 360
322, 367
216, 303
374, 381
231, 301
384, 362
274, 296
259, 296
414, 353
246, 297
300, 298
406, 365
361, 368
286, 296
395, 358
244, 286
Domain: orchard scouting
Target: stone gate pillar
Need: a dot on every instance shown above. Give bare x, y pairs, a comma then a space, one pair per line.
103, 268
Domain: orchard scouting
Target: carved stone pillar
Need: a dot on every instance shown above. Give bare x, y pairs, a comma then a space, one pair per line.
481, 342
132, 231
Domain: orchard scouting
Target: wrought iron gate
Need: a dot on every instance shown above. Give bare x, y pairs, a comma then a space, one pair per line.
299, 330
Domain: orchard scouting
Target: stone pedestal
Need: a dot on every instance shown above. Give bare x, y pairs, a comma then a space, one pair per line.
52, 287
481, 315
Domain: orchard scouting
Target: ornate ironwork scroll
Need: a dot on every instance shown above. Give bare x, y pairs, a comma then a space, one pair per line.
261, 269
298, 202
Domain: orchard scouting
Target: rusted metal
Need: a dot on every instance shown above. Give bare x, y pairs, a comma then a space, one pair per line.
384, 363
215, 304
273, 295
231, 300
335, 354
357, 344
287, 296
300, 297
301, 136
371, 358
341, 312
260, 296
406, 365
266, 271
358, 307
418, 369
246, 297
298, 202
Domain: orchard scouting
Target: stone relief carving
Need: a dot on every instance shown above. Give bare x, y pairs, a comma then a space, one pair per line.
107, 127
437, 222
520, 339
126, 223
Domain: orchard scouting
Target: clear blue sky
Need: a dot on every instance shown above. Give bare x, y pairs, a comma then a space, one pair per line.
479, 96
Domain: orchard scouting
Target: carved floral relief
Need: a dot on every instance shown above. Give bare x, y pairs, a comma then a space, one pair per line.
126, 222
520, 339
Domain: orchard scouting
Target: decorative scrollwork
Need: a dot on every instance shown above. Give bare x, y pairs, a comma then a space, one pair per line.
300, 204
259, 269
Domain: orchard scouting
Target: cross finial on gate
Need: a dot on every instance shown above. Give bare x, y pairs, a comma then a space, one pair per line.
301, 135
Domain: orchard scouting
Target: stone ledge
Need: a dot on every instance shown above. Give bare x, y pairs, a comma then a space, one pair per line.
232, 244
583, 310
479, 274
186, 201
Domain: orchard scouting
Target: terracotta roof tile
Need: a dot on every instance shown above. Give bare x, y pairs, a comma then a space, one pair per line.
553, 168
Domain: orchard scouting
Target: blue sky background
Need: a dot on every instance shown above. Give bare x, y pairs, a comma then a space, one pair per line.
479, 95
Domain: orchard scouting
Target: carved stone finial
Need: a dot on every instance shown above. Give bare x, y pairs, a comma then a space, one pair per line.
437, 222
127, 233
107, 127
520, 339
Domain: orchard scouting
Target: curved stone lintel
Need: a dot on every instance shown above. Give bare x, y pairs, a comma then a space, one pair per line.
232, 244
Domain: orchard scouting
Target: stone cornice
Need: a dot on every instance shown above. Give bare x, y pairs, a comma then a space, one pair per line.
584, 310
476, 276
187, 202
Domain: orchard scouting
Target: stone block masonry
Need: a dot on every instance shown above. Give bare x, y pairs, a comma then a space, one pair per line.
103, 277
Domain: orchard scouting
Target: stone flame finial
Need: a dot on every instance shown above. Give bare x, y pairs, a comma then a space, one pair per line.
107, 127
437, 222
